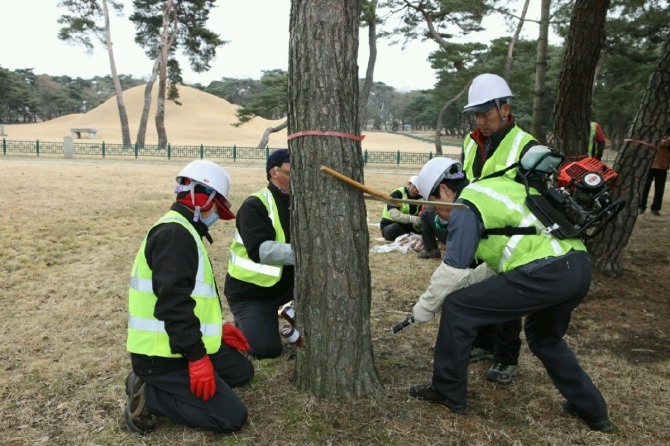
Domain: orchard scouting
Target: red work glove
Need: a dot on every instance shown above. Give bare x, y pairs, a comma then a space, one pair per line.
201, 373
234, 338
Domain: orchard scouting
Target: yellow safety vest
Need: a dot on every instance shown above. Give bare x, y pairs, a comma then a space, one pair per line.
404, 209
240, 266
501, 203
506, 154
146, 334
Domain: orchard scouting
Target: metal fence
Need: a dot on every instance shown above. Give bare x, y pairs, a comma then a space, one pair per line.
103, 150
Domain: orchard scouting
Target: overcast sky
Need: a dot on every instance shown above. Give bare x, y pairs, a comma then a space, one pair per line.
257, 31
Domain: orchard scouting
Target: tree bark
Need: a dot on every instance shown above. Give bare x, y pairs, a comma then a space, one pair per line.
632, 164
170, 25
328, 220
572, 110
123, 116
142, 129
540, 73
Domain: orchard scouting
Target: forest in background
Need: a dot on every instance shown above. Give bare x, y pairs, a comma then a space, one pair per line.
635, 31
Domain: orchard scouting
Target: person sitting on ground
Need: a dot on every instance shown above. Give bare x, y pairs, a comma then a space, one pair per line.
403, 219
535, 275
260, 268
185, 360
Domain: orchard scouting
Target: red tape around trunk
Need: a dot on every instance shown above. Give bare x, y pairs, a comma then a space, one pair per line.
322, 133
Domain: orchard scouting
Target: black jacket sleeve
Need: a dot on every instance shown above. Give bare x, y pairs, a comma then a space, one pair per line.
172, 255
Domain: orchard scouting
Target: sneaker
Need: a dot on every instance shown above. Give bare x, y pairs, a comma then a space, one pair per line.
138, 417
480, 354
656, 213
427, 392
600, 426
501, 373
429, 254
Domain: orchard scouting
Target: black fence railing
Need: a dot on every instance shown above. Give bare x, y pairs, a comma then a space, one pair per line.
103, 150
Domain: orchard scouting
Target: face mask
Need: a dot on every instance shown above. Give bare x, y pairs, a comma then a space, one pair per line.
209, 221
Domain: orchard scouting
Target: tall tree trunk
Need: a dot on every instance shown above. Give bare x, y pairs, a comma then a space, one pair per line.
632, 164
440, 119
540, 73
332, 289
169, 23
123, 116
512, 42
572, 111
371, 20
142, 129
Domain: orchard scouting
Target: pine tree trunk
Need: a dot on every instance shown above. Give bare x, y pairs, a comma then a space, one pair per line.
540, 73
632, 164
371, 20
142, 129
572, 111
328, 219
123, 116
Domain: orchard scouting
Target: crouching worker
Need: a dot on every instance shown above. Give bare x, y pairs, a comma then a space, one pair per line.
181, 368
403, 219
534, 275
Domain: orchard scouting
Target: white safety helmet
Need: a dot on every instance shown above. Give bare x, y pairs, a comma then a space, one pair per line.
485, 88
212, 177
434, 171
413, 179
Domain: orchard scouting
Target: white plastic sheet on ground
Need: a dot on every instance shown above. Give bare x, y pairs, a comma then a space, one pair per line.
406, 243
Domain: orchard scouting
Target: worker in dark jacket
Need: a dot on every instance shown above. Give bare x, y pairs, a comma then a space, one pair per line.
260, 267
181, 368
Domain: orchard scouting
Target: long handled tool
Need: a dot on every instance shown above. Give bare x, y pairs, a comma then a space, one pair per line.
376, 195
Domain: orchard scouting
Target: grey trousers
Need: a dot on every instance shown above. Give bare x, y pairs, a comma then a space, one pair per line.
169, 394
546, 296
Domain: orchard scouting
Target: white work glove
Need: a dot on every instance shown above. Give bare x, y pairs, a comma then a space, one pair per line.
421, 314
444, 281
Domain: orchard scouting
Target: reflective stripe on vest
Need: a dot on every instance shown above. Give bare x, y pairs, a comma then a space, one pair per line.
146, 334
501, 203
240, 266
506, 154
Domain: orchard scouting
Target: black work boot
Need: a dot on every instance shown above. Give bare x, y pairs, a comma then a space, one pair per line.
427, 392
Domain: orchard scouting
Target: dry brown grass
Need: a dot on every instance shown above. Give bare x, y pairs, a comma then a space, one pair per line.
70, 230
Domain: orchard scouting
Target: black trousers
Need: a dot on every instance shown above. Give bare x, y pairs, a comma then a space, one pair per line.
503, 339
658, 177
392, 231
430, 233
257, 319
547, 296
169, 394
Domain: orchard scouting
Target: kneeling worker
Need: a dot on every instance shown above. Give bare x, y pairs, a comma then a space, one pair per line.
185, 359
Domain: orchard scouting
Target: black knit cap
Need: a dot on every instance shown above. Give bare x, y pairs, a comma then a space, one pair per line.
277, 158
